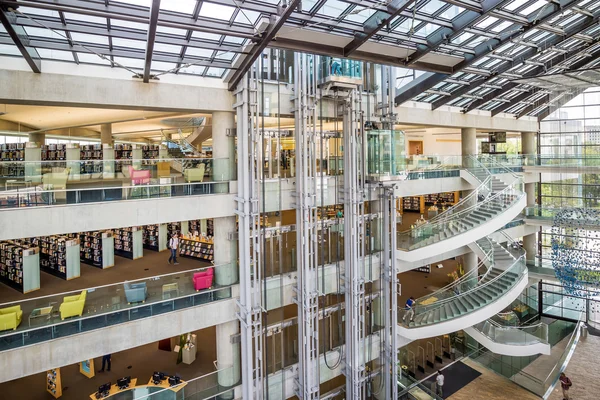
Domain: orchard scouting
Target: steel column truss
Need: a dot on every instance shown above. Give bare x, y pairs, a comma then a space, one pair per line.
307, 291
375, 22
529, 53
152, 24
265, 39
429, 80
354, 249
21, 40
250, 307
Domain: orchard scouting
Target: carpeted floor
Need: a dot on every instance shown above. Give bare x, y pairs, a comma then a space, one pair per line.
456, 376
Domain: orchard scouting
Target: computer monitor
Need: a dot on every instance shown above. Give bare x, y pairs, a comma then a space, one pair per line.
104, 389
124, 382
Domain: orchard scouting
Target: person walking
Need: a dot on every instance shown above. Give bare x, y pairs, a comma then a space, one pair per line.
439, 384
565, 384
409, 312
105, 363
173, 245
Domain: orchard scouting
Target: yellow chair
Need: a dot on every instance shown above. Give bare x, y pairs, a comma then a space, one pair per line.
10, 318
56, 180
194, 174
73, 305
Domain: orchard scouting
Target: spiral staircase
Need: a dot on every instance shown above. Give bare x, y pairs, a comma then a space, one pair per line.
500, 277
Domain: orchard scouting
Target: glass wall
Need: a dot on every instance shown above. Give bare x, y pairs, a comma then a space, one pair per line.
571, 132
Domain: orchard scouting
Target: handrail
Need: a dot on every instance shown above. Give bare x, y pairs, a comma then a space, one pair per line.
443, 302
468, 276
542, 338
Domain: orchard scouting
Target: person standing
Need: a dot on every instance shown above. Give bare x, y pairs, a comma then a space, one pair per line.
409, 310
439, 384
174, 245
565, 384
105, 363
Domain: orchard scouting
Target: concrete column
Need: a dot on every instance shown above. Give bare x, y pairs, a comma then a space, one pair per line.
106, 134
223, 149
228, 356
39, 138
528, 148
468, 141
225, 255
470, 264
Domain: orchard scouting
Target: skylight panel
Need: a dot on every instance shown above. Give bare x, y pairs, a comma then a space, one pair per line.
171, 31
196, 52
43, 32
486, 22
56, 54
128, 43
167, 48
12, 50
451, 12
128, 24
333, 8
534, 7
431, 7
85, 18
360, 16
206, 36
215, 72
91, 59
86, 38
247, 17
193, 69
476, 41
225, 55
427, 29
515, 4
462, 38
216, 11
180, 6
162, 66
38, 11
145, 3
234, 39
307, 5
501, 26
404, 26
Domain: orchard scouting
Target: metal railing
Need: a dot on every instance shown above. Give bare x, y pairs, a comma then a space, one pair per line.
108, 305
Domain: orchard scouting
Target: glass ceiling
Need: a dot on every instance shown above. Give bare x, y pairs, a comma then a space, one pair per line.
478, 53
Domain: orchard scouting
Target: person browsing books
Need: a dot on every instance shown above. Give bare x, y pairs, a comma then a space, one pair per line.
173, 245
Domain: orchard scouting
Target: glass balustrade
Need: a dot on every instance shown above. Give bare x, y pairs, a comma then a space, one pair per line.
59, 315
48, 183
523, 335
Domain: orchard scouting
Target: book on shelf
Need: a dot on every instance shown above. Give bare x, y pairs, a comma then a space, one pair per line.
54, 152
150, 237
91, 248
173, 227
123, 242
411, 203
198, 249
12, 253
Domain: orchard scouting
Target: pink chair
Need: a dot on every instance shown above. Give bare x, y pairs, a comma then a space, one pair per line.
203, 279
139, 177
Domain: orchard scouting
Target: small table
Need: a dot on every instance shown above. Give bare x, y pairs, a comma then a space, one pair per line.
42, 312
169, 289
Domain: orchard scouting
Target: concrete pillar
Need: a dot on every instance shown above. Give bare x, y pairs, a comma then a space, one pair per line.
39, 138
225, 255
223, 148
106, 134
228, 356
470, 264
468, 141
528, 148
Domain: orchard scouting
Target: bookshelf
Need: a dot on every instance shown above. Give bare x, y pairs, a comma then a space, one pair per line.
197, 249
172, 228
426, 269
129, 242
59, 256
97, 249
54, 152
122, 152
210, 227
155, 237
12, 152
416, 203
92, 155
20, 266
54, 383
441, 198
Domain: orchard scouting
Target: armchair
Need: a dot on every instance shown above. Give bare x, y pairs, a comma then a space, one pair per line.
136, 292
10, 318
203, 279
139, 177
194, 174
73, 305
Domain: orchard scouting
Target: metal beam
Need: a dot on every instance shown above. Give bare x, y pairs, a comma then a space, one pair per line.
375, 22
21, 40
431, 79
152, 24
258, 48
535, 104
523, 57
561, 102
459, 24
